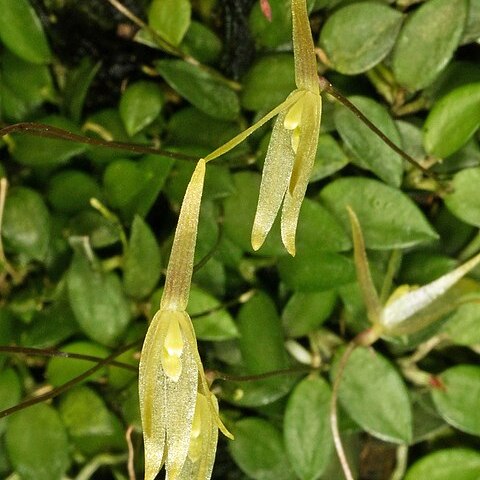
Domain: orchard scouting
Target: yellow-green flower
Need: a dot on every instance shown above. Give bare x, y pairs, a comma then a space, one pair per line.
292, 148
179, 413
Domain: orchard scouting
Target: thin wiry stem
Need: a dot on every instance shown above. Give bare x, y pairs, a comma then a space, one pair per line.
47, 131
261, 376
74, 381
131, 453
337, 439
327, 87
45, 352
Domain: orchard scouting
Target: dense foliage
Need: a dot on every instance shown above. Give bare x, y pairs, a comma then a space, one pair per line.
87, 231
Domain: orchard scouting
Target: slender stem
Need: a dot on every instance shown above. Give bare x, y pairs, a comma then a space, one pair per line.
261, 376
69, 384
402, 460
131, 453
43, 352
244, 297
337, 440
3, 196
42, 130
471, 249
326, 86
95, 463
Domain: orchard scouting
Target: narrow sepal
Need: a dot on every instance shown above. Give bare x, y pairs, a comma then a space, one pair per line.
180, 264
367, 287
303, 49
301, 169
275, 180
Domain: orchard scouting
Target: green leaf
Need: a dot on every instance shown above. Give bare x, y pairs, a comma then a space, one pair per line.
316, 222
306, 311
142, 262
308, 441
369, 150
259, 451
329, 158
457, 399
47, 152
42, 454
418, 59
215, 326
100, 231
140, 105
472, 27
268, 82
240, 210
353, 50
389, 219
201, 43
200, 88
10, 392
30, 83
374, 395
448, 464
26, 223
170, 19
452, 121
464, 201
60, 371
71, 190
462, 327
21, 31
90, 425
98, 301
312, 270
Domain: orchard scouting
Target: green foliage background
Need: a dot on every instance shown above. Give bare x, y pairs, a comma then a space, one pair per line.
85, 277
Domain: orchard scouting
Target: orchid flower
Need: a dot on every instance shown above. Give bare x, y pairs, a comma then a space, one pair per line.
292, 148
409, 308
179, 413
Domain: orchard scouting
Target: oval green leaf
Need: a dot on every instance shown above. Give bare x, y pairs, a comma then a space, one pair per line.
259, 451
306, 311
452, 121
140, 105
10, 392
353, 50
216, 325
60, 371
170, 19
268, 82
418, 59
457, 399
389, 219
307, 437
142, 265
90, 425
21, 31
42, 454
47, 152
375, 396
448, 464
464, 201
370, 151
26, 223
200, 88
98, 301
313, 270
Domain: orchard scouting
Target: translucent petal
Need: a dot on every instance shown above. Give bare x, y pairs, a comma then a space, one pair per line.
203, 387
305, 62
174, 339
302, 167
180, 264
179, 410
152, 398
275, 179
414, 301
